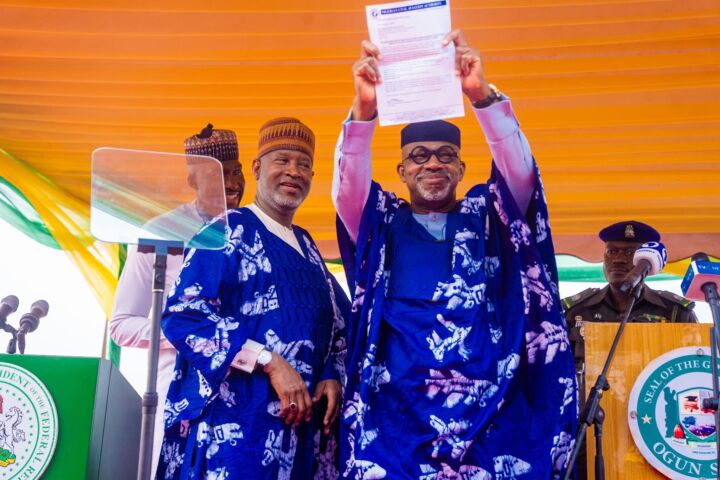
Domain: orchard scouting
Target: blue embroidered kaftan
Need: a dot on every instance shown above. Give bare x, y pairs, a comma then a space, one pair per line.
222, 423
458, 357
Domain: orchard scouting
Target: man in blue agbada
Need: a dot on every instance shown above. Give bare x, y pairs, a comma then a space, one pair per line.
458, 359
267, 299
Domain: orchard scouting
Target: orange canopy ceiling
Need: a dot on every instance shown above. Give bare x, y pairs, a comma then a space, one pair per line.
620, 99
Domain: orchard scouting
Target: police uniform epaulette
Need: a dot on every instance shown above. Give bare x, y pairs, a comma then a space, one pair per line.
569, 302
675, 298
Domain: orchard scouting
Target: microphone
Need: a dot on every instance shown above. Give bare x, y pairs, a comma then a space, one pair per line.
649, 259
702, 275
701, 282
8, 305
30, 321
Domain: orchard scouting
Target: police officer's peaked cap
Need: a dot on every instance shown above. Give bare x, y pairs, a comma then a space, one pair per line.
629, 231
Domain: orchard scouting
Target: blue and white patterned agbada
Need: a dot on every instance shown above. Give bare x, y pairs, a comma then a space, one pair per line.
222, 423
458, 362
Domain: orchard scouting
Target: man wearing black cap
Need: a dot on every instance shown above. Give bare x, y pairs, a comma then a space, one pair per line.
458, 360
607, 303
129, 324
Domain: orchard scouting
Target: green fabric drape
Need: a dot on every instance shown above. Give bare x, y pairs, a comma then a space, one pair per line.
17, 210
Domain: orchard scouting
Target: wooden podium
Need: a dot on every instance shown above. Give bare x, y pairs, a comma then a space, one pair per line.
640, 344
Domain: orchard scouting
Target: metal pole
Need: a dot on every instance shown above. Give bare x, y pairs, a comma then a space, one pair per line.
716, 389
150, 397
599, 460
12, 343
711, 297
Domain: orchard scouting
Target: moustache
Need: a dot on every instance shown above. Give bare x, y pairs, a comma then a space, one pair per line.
422, 175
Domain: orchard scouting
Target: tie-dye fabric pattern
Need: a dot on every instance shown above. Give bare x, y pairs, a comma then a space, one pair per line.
222, 423
458, 359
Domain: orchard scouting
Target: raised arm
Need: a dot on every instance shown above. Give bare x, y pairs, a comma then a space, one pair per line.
508, 145
352, 174
510, 150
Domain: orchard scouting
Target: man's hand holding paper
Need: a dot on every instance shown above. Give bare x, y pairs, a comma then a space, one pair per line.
418, 82
468, 66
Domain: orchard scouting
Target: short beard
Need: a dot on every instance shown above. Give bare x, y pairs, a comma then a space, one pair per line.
277, 199
435, 195
290, 203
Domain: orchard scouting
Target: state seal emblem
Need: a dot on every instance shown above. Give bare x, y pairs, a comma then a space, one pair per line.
668, 422
28, 424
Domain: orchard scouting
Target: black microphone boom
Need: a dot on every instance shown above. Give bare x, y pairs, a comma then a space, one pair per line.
649, 259
709, 287
636, 275
701, 282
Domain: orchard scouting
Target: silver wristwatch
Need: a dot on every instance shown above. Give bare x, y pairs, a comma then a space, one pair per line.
264, 357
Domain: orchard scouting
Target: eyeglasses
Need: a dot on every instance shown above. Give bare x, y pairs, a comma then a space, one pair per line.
420, 154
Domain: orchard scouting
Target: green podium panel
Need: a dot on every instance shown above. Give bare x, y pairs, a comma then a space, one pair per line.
98, 418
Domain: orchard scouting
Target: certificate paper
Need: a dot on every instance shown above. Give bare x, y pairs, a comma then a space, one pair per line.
418, 81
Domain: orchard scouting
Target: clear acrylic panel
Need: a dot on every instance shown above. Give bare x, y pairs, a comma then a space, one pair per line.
157, 196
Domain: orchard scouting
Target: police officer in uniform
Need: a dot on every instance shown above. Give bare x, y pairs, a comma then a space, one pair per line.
607, 304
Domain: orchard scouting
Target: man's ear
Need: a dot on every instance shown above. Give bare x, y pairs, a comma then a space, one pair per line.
256, 168
462, 170
401, 171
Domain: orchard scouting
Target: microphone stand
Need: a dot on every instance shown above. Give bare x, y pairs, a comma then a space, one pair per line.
712, 403
711, 297
593, 414
598, 420
12, 343
161, 249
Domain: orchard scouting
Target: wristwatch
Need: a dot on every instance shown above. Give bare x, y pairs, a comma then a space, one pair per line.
493, 96
251, 355
264, 357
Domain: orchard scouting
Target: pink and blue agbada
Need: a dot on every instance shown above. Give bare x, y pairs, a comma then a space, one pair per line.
458, 360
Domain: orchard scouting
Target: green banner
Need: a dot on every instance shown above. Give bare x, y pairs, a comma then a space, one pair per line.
572, 269
18, 211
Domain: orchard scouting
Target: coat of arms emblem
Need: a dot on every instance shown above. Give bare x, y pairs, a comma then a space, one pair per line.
28, 424
667, 417
686, 420
11, 433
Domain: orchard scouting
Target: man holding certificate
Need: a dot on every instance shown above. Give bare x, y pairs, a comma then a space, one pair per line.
458, 361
